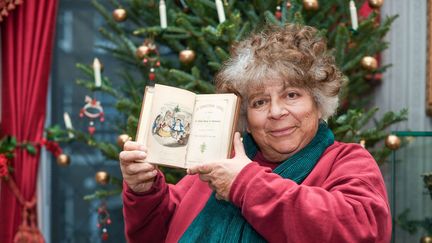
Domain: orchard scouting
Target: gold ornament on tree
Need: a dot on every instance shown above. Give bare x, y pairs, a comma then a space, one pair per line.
102, 177
392, 142
311, 5
426, 239
63, 160
187, 56
119, 14
122, 139
375, 4
369, 63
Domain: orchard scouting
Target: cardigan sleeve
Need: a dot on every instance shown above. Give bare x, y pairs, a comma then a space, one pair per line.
344, 202
147, 215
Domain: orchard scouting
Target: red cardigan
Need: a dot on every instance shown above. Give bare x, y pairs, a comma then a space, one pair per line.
343, 199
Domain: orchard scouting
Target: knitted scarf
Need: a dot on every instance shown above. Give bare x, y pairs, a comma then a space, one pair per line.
221, 221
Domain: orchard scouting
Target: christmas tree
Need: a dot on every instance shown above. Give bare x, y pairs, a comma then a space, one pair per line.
183, 43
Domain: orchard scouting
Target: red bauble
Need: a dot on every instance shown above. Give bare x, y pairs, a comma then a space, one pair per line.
105, 236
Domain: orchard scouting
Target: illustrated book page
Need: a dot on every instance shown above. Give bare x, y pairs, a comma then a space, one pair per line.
180, 128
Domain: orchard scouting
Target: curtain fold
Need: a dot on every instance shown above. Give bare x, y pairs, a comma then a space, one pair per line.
27, 44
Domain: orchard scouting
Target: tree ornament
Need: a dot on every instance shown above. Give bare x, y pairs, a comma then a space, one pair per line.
426, 239
353, 15
375, 4
92, 109
142, 51
102, 177
278, 13
122, 139
220, 11
103, 220
187, 56
392, 142
63, 160
119, 14
369, 63
162, 14
97, 68
288, 4
311, 5
152, 75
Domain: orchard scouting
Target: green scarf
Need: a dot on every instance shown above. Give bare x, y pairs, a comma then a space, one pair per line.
221, 221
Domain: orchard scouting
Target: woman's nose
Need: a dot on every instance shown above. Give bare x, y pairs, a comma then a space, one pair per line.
278, 109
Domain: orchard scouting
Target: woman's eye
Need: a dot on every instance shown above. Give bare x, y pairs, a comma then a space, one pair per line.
292, 95
258, 103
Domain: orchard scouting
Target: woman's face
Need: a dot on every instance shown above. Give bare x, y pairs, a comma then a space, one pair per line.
282, 120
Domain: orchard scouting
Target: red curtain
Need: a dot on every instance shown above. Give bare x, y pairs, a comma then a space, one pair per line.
27, 43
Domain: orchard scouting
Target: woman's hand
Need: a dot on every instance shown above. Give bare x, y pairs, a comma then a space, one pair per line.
138, 176
220, 175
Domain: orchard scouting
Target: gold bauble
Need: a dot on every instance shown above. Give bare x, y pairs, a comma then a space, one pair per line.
426, 239
375, 4
187, 56
369, 63
122, 139
119, 14
63, 160
310, 5
392, 142
102, 177
142, 51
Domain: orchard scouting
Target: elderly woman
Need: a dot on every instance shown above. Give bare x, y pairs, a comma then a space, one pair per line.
289, 181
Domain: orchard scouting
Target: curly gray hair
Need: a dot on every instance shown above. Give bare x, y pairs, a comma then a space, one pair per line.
295, 54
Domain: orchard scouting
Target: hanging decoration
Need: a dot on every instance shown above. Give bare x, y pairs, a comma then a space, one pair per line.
97, 68
426, 239
63, 160
375, 4
119, 14
353, 14
220, 11
103, 220
6, 6
369, 63
92, 109
288, 4
162, 14
311, 5
278, 13
102, 177
149, 54
122, 139
187, 56
392, 142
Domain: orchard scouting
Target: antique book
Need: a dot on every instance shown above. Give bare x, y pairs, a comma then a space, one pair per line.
181, 128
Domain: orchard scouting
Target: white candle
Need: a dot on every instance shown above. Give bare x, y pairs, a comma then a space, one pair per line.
97, 72
162, 14
68, 123
220, 11
353, 13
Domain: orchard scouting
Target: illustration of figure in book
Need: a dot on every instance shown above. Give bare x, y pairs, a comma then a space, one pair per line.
165, 130
171, 127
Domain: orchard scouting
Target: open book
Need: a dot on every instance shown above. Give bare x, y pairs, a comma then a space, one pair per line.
181, 128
